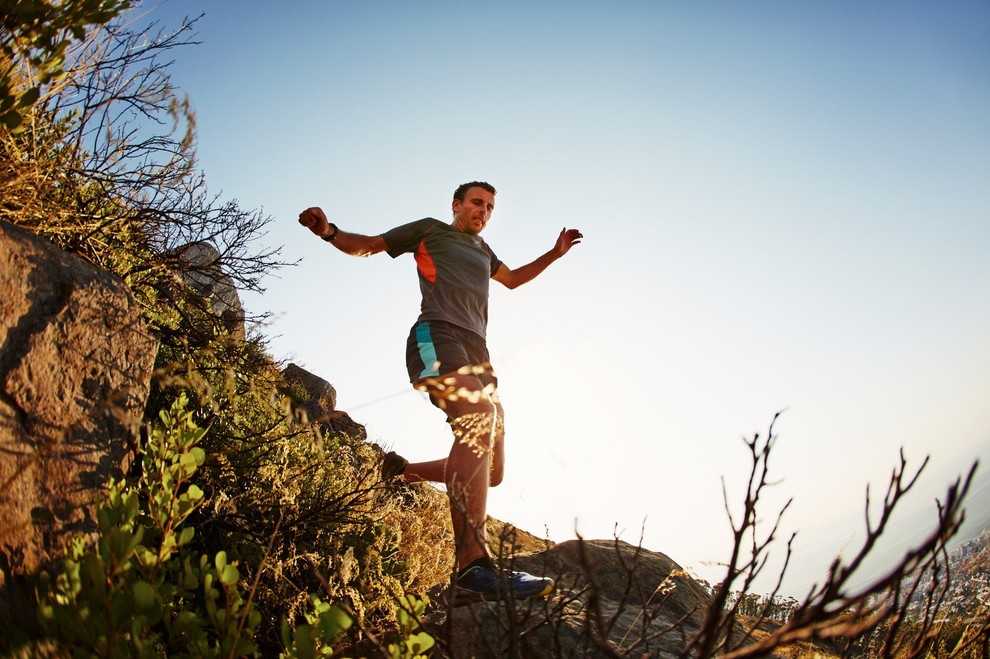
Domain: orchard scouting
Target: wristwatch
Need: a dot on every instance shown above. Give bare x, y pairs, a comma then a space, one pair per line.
332, 235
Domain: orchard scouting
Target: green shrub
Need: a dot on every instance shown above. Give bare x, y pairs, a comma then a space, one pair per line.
139, 591
299, 505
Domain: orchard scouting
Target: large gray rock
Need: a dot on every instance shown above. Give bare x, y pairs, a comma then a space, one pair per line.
638, 603
200, 268
75, 366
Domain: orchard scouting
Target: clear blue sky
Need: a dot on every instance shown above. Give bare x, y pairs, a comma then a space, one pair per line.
786, 206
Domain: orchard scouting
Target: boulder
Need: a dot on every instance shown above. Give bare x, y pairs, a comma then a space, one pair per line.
75, 366
320, 406
200, 268
638, 603
319, 390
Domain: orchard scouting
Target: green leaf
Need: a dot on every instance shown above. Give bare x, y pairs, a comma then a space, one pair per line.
146, 557
190, 577
188, 463
229, 575
421, 642
144, 596
132, 501
333, 623
186, 535
285, 633
304, 642
194, 493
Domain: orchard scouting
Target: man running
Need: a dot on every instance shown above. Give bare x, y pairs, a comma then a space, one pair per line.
447, 358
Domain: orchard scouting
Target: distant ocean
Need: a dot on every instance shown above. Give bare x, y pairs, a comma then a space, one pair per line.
917, 522
913, 521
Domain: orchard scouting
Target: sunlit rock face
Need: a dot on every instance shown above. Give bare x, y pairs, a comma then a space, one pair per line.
643, 602
75, 366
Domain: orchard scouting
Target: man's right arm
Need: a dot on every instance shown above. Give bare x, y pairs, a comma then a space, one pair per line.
354, 244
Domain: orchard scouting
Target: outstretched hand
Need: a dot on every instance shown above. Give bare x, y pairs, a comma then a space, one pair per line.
568, 238
315, 220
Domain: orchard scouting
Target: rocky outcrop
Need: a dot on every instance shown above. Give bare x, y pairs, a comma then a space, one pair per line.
75, 365
636, 602
320, 404
200, 268
322, 396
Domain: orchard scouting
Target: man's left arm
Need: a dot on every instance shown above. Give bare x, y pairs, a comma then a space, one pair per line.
513, 277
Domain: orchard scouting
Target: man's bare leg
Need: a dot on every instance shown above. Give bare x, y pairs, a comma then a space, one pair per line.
468, 468
435, 471
426, 472
476, 462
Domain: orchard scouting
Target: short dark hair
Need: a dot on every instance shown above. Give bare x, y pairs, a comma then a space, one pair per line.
464, 187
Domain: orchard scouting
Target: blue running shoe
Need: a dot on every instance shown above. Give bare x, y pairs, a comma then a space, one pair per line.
483, 583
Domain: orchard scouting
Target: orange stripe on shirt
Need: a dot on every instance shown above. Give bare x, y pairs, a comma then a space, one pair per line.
425, 264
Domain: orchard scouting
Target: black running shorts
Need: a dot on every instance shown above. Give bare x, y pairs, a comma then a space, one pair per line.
437, 348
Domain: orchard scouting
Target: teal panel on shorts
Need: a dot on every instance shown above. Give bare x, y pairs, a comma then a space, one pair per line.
427, 351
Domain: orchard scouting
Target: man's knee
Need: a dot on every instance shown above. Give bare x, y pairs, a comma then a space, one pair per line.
475, 429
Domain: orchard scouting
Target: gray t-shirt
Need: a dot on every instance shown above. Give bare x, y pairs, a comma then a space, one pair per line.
454, 270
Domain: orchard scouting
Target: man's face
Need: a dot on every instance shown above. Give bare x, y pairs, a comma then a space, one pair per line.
472, 214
